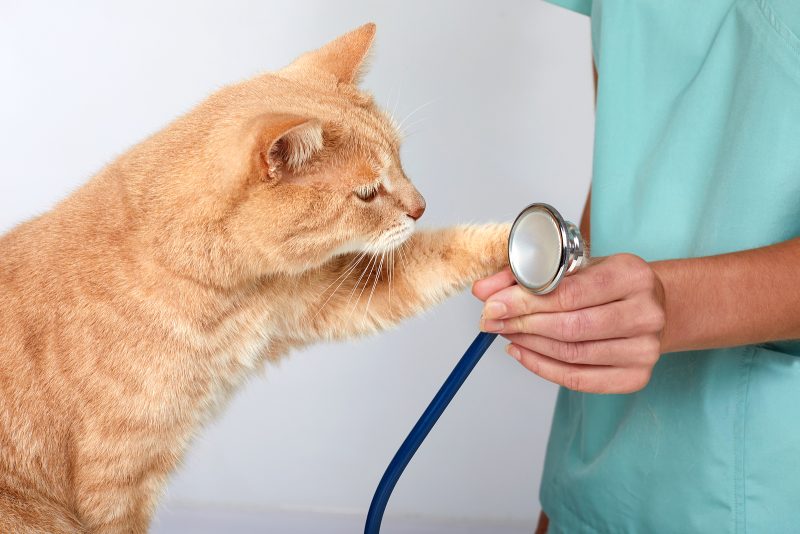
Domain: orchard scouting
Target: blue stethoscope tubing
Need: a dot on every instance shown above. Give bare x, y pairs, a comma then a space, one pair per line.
420, 431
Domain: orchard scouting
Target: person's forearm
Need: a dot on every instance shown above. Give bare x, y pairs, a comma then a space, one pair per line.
733, 299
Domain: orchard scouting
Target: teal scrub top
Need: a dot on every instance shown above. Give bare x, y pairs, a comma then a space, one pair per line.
697, 152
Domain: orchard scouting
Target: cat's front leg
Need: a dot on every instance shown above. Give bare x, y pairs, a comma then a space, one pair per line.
377, 292
436, 264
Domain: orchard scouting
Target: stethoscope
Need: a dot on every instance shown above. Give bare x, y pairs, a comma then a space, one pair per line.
543, 248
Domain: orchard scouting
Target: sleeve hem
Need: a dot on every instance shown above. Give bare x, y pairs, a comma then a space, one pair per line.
579, 6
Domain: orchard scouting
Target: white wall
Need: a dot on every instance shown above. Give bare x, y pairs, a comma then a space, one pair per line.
507, 120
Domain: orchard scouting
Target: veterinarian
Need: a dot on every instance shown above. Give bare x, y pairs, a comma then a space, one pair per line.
678, 350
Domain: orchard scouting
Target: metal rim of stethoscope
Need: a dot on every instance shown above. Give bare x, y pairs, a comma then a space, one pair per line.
573, 253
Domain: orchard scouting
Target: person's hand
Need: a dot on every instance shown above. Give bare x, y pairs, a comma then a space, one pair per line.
598, 332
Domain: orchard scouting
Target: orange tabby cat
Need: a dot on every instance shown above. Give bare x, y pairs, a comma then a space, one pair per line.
265, 219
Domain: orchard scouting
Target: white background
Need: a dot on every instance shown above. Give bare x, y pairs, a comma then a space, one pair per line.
505, 118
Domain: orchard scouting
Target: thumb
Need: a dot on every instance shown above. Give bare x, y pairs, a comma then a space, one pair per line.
486, 287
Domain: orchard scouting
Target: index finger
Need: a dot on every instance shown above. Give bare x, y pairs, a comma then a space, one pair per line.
595, 285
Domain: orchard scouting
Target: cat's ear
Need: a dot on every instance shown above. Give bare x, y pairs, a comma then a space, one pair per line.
285, 142
344, 57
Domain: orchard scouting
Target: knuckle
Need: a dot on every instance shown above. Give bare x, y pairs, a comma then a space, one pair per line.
655, 319
651, 347
619, 315
649, 317
659, 319
626, 260
645, 276
639, 272
520, 301
523, 324
570, 352
603, 279
572, 326
569, 296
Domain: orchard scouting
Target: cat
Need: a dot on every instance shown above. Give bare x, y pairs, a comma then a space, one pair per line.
273, 215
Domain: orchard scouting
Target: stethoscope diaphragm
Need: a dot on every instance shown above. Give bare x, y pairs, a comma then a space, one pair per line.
543, 248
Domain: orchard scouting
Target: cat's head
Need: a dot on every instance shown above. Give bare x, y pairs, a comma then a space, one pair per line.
299, 165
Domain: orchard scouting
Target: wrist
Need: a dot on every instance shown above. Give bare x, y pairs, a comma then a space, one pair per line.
662, 289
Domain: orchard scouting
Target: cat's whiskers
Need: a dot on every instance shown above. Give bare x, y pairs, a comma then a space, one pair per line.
375, 283
358, 282
345, 271
403, 255
366, 283
382, 245
390, 270
393, 112
407, 132
415, 110
417, 121
341, 278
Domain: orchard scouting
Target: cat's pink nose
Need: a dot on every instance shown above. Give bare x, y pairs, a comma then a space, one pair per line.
416, 212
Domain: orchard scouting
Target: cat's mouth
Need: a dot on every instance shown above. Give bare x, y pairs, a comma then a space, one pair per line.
386, 241
398, 237
393, 237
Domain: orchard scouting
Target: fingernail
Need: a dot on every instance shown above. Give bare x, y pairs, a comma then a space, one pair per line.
514, 351
494, 310
490, 325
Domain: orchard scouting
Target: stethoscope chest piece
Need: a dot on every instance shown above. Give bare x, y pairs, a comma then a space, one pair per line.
543, 248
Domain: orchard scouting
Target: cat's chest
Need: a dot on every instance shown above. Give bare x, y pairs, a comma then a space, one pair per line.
232, 347
234, 352
231, 364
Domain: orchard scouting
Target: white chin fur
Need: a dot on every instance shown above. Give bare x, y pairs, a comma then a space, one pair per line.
386, 241
392, 238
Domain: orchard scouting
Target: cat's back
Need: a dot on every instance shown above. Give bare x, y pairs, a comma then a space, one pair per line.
33, 461
26, 321
19, 275
25, 265
45, 260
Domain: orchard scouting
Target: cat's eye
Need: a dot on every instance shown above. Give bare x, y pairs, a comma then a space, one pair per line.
367, 192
